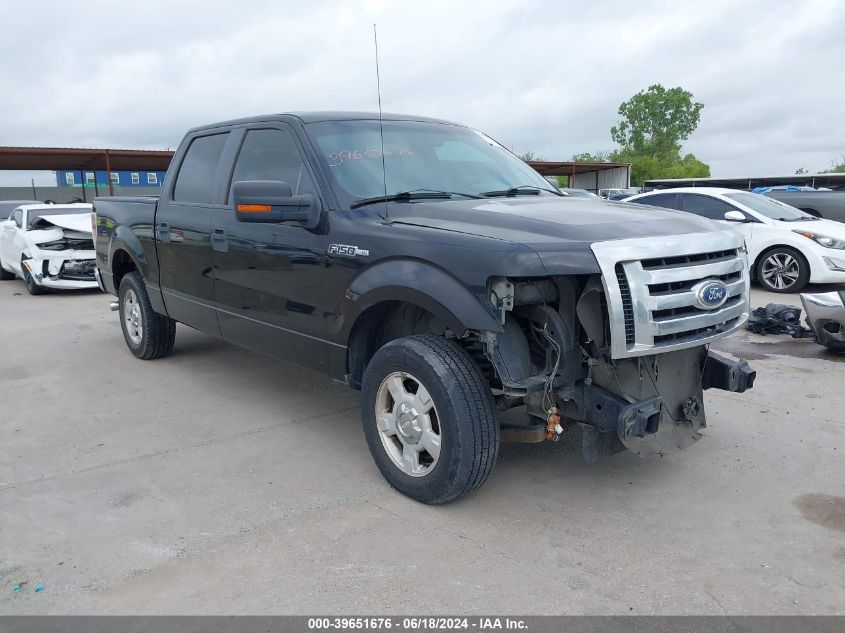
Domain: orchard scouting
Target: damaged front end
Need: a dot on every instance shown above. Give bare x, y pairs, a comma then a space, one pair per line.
59, 257
621, 356
826, 318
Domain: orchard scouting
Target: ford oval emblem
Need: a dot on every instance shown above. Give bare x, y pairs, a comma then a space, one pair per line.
711, 294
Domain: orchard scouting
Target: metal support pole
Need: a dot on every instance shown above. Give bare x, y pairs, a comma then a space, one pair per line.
108, 173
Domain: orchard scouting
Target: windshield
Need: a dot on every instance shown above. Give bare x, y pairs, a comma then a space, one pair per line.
772, 209
6, 208
418, 156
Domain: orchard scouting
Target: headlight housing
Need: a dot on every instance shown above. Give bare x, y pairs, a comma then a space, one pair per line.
823, 240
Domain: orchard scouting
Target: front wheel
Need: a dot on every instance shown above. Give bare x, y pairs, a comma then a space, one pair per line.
429, 418
31, 286
148, 334
783, 269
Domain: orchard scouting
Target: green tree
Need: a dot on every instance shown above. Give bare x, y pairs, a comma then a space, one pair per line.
527, 156
654, 123
599, 156
837, 166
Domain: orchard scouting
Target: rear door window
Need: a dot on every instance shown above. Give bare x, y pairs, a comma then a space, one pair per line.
196, 174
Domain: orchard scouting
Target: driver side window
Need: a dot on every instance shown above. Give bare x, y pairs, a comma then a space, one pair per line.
272, 154
705, 206
17, 217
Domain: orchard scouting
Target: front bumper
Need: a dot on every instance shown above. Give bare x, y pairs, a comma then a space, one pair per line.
827, 266
653, 425
826, 317
63, 270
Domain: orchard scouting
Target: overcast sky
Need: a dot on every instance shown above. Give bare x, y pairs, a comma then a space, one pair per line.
546, 77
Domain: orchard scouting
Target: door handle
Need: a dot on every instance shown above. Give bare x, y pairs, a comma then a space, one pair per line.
219, 240
163, 231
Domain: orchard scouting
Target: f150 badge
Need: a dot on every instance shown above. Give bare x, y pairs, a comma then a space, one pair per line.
347, 249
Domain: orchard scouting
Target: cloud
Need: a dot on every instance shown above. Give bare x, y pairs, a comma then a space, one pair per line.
541, 77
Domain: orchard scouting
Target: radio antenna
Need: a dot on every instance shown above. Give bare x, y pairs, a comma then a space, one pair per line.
380, 124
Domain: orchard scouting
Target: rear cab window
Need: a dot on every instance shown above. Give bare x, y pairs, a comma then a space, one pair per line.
195, 179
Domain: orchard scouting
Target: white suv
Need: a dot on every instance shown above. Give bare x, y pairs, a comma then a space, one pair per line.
787, 247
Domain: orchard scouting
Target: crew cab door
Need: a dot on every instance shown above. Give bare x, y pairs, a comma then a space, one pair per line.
183, 233
268, 276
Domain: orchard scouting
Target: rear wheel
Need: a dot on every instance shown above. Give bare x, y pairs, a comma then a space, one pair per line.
429, 418
148, 334
783, 269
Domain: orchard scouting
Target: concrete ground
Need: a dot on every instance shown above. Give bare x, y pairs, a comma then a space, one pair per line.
219, 481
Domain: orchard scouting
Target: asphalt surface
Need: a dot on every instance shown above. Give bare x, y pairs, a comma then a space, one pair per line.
219, 481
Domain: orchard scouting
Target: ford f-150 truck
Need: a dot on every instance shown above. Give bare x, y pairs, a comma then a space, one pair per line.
423, 263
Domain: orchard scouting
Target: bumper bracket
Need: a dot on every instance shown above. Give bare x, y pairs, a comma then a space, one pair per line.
722, 373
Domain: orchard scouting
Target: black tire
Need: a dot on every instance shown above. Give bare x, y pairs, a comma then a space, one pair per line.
31, 287
5, 275
466, 417
783, 252
158, 332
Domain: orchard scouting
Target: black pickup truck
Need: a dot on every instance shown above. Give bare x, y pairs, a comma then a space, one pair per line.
423, 263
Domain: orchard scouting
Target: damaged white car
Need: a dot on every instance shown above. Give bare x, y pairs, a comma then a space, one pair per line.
48, 246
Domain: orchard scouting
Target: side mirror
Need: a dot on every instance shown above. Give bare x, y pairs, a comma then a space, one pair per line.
271, 201
735, 216
8, 224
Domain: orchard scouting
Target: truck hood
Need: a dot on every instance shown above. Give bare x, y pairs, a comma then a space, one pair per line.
560, 230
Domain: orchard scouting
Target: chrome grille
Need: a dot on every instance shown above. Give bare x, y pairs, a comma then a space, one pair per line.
650, 284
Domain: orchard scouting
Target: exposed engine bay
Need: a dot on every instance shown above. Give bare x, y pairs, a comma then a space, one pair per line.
554, 359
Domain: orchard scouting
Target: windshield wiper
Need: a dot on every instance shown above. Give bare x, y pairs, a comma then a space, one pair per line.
402, 196
806, 218
521, 190
416, 194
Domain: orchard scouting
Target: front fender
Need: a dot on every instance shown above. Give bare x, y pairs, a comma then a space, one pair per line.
421, 284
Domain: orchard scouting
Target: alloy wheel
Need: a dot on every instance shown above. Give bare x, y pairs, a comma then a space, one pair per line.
408, 424
132, 317
781, 270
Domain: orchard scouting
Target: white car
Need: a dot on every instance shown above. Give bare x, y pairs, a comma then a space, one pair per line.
787, 248
48, 246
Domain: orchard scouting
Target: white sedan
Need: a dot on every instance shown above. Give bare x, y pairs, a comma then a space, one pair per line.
48, 246
787, 248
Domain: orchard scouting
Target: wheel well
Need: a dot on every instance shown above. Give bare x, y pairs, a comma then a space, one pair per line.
121, 264
380, 324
